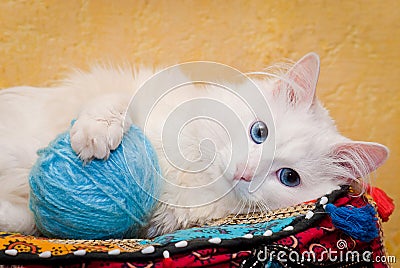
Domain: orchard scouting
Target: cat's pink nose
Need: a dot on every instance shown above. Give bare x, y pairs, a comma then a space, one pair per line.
243, 173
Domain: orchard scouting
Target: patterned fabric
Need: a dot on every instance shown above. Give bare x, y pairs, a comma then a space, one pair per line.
332, 247
228, 242
200, 258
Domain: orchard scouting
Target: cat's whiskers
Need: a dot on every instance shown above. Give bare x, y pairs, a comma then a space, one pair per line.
243, 208
252, 209
248, 208
260, 207
264, 206
236, 207
256, 208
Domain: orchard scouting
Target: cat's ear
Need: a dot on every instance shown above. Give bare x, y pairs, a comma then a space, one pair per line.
359, 158
300, 82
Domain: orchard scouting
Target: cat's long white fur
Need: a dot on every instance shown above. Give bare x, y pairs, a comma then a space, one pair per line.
306, 141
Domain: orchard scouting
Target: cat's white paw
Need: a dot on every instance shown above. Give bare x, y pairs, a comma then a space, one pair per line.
95, 137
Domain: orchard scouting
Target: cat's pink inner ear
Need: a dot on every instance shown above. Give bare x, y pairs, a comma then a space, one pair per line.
360, 158
301, 80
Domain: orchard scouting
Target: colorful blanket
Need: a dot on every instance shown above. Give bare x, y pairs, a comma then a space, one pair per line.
306, 235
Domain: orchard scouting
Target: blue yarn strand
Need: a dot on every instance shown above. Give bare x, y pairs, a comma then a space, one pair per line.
359, 223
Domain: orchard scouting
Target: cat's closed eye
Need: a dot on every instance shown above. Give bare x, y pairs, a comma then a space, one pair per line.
288, 177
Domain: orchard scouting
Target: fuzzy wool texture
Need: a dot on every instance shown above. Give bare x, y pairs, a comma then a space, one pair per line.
359, 223
95, 200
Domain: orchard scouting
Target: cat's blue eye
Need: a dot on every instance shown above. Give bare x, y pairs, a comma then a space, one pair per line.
259, 132
288, 177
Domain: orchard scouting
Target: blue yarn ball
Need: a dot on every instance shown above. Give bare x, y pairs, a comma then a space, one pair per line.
101, 199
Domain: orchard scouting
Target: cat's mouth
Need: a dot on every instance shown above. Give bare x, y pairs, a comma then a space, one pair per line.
242, 190
248, 179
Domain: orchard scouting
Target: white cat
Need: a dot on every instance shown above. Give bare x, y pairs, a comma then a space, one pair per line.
311, 158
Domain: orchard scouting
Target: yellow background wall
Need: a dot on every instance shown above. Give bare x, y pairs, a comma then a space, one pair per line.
358, 41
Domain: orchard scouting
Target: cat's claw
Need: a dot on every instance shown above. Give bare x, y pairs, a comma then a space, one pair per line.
95, 138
